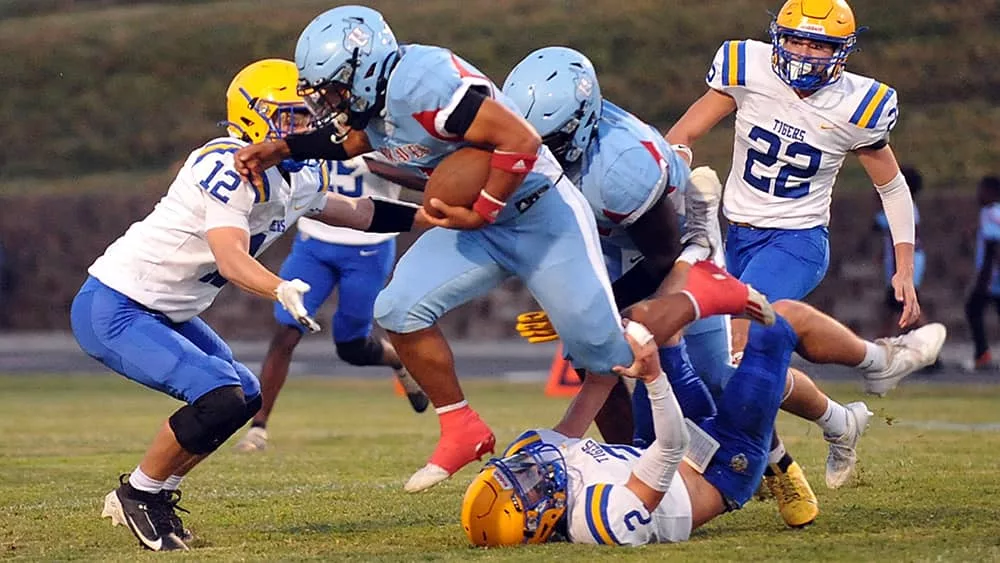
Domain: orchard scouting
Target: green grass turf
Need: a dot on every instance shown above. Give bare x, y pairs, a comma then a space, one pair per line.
330, 487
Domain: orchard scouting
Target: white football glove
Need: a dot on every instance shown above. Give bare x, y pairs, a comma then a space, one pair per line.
289, 294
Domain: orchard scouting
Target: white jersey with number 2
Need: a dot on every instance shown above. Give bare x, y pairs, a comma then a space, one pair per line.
788, 150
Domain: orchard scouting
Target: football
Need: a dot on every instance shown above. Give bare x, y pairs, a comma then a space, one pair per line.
458, 179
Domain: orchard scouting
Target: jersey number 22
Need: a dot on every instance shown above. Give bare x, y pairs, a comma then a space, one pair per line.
782, 187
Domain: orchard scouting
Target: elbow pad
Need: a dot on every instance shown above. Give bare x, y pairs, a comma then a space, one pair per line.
898, 205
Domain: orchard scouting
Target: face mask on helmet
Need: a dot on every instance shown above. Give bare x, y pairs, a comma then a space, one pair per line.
282, 119
808, 71
517, 499
560, 142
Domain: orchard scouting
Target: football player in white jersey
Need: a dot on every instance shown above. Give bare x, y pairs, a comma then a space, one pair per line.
798, 114
595, 493
358, 264
137, 312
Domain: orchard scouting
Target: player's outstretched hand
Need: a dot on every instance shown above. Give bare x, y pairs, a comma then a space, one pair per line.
252, 160
461, 218
289, 294
535, 327
646, 364
906, 294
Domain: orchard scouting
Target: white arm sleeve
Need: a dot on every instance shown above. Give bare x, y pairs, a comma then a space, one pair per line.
657, 465
898, 205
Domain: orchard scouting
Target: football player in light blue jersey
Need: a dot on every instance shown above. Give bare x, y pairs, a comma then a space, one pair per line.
417, 104
633, 181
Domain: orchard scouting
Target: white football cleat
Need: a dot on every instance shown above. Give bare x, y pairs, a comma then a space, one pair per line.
425, 478
254, 441
906, 354
841, 459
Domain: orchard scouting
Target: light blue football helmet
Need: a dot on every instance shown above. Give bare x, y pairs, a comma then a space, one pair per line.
344, 57
556, 90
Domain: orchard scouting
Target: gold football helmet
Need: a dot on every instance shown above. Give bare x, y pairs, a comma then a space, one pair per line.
262, 103
516, 500
825, 21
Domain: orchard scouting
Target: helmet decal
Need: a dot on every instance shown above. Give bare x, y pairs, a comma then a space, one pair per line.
357, 35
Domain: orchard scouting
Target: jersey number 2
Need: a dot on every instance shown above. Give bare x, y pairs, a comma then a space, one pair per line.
789, 170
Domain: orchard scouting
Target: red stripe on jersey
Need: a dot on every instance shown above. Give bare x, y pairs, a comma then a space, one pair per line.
426, 120
462, 71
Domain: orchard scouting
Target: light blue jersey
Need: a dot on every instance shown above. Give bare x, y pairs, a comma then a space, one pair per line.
424, 89
989, 230
624, 171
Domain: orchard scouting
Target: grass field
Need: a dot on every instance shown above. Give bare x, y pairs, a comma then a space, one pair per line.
330, 488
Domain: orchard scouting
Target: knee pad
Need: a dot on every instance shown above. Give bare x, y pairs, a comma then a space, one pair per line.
361, 351
205, 424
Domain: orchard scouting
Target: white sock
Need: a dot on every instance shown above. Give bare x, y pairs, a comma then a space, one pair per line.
173, 482
775, 455
876, 358
452, 407
834, 420
143, 482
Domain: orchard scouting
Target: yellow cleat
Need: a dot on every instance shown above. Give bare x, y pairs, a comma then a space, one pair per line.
796, 501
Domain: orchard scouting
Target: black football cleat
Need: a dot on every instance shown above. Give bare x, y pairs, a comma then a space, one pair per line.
145, 514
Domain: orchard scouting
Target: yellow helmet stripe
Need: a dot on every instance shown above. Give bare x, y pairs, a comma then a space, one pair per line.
597, 514
734, 56
263, 191
217, 147
871, 106
523, 441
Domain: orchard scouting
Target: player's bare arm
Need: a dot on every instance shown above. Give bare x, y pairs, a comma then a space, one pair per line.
656, 235
231, 248
251, 161
883, 170
699, 119
371, 215
515, 147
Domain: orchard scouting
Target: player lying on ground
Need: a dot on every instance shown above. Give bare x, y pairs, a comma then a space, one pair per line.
606, 494
138, 311
588, 492
328, 257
